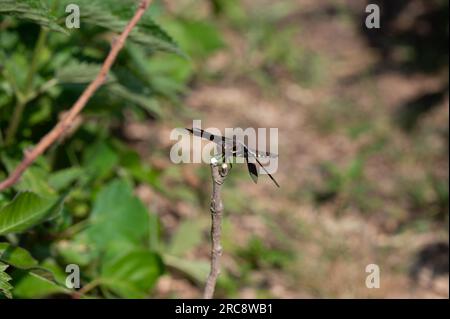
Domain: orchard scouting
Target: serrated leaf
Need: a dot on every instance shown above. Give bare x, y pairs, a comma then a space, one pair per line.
16, 256
39, 282
133, 274
27, 210
5, 286
114, 16
31, 10
80, 73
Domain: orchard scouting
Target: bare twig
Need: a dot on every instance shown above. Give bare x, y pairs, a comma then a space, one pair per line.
219, 173
65, 123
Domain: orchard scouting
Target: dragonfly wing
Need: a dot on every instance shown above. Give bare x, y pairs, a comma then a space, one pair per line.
206, 135
252, 169
271, 177
260, 154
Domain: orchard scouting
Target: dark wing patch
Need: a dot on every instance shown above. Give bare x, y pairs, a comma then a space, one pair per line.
206, 135
271, 177
252, 169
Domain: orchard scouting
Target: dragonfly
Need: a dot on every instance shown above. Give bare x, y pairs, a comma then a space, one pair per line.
231, 146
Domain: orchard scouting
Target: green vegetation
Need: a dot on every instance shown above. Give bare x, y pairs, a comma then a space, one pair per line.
76, 205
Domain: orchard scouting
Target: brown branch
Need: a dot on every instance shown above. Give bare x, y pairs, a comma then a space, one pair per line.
219, 173
65, 123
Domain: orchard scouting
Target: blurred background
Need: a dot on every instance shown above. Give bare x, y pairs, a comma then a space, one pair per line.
363, 119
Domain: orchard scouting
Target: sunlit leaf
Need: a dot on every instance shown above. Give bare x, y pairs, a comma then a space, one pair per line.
5, 286
133, 274
118, 216
26, 211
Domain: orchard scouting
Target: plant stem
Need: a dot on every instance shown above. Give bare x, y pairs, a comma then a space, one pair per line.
22, 101
219, 174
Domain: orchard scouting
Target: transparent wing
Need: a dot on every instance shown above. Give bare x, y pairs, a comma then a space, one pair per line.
207, 136
260, 154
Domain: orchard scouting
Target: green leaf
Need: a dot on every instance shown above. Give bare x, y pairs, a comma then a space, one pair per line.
147, 103
15, 67
32, 10
113, 16
140, 170
63, 178
39, 283
34, 179
169, 73
198, 38
80, 72
16, 256
133, 274
118, 216
165, 75
5, 286
26, 210
99, 160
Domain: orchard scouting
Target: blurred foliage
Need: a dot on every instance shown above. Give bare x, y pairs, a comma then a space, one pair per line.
76, 205
79, 203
